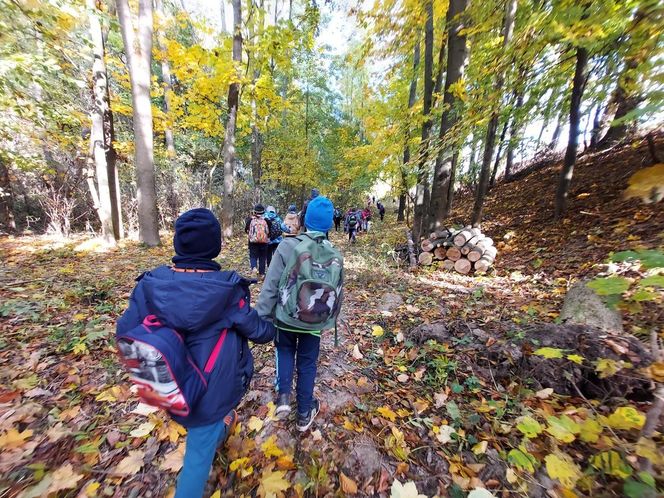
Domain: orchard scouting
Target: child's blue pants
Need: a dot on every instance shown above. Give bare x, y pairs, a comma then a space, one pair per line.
202, 444
297, 349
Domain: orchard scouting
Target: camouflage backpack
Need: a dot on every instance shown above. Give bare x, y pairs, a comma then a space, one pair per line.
311, 285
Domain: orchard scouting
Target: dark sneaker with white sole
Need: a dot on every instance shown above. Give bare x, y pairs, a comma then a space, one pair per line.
283, 406
305, 421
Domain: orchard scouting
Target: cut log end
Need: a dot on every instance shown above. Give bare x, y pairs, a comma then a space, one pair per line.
454, 253
463, 266
439, 253
425, 258
448, 264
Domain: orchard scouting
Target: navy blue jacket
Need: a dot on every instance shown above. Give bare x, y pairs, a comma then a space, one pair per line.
200, 305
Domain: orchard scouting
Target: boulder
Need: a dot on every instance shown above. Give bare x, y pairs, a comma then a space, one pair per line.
436, 331
583, 306
389, 302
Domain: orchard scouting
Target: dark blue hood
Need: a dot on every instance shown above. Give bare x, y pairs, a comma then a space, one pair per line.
193, 300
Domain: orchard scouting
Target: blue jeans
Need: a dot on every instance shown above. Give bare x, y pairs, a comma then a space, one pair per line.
301, 349
202, 444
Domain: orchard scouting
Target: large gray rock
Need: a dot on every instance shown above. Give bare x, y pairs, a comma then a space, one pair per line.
584, 307
390, 302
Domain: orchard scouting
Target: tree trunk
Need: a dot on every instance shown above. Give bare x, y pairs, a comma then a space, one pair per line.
168, 128
501, 142
138, 47
256, 144
623, 101
457, 55
412, 97
6, 199
555, 138
485, 172
450, 185
229, 139
222, 12
511, 145
101, 197
578, 86
422, 190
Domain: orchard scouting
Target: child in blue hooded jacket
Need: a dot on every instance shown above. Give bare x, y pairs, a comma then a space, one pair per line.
210, 308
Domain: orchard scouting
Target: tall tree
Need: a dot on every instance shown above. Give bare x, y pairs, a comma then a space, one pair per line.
6, 198
99, 141
422, 189
514, 139
138, 48
489, 144
457, 56
412, 97
578, 85
229, 153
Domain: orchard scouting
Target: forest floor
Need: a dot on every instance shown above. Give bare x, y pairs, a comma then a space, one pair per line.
395, 405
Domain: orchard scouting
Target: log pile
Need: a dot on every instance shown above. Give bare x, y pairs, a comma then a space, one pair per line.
464, 250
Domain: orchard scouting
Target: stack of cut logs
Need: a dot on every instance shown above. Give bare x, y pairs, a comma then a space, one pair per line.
464, 250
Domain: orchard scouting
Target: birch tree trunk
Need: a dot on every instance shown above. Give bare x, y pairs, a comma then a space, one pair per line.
138, 47
457, 56
578, 86
98, 145
422, 190
229, 138
412, 97
489, 144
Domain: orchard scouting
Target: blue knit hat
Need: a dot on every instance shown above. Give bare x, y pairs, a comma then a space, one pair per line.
319, 214
197, 235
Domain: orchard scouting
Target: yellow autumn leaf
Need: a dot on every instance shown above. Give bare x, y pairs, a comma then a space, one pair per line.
270, 448
607, 367
377, 331
173, 460
387, 412
626, 418
91, 489
64, 478
13, 439
255, 424
656, 371
216, 494
611, 463
563, 429
590, 430
480, 448
647, 183
561, 466
111, 394
130, 464
142, 430
79, 316
273, 483
347, 484
647, 448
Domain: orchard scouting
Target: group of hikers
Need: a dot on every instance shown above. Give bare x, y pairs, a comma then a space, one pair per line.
184, 336
266, 229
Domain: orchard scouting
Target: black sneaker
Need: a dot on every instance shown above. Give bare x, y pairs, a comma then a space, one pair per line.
305, 421
283, 405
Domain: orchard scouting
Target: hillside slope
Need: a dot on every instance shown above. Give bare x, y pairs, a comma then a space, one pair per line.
599, 220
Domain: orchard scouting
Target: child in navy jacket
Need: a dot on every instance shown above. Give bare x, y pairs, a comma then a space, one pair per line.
210, 308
